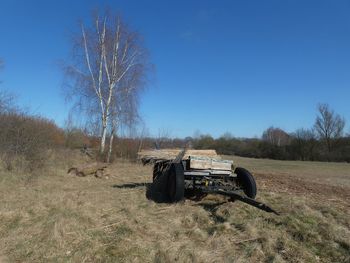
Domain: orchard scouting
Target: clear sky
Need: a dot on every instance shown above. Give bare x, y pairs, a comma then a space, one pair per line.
221, 66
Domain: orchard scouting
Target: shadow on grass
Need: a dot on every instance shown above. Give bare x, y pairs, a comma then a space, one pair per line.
156, 191
131, 185
212, 208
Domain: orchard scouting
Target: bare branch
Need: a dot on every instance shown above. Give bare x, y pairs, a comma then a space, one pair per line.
87, 56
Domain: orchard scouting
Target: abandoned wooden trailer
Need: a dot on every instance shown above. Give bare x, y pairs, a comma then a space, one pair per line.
200, 172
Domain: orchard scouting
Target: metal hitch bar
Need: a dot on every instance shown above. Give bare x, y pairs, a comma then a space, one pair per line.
244, 199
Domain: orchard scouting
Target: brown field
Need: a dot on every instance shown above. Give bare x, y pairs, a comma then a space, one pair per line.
49, 216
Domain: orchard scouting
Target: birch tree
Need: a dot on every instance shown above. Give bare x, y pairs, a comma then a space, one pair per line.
107, 55
328, 125
124, 109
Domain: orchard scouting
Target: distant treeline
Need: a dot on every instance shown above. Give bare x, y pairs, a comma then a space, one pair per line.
293, 147
325, 141
275, 143
26, 140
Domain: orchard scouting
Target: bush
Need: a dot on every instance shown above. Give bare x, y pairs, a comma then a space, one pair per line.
76, 138
25, 139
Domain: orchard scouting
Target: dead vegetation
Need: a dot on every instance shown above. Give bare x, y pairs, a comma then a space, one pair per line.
53, 216
98, 170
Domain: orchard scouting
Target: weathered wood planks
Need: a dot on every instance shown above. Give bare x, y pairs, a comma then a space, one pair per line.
170, 154
197, 159
201, 163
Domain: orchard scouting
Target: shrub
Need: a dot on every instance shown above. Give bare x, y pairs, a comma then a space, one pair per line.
26, 139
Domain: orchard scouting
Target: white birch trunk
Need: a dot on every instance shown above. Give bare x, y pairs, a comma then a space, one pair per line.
104, 134
110, 147
103, 140
111, 138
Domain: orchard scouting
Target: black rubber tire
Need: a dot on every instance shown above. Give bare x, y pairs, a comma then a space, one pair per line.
247, 181
176, 183
156, 172
157, 191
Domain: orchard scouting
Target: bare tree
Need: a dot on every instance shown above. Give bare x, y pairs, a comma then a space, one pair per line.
276, 136
328, 125
7, 100
305, 143
162, 138
108, 55
143, 133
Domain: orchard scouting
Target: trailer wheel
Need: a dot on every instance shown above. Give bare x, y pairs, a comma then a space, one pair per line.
246, 181
176, 183
156, 171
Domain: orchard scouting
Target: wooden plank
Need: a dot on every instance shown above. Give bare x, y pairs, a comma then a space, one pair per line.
209, 163
201, 153
221, 165
170, 154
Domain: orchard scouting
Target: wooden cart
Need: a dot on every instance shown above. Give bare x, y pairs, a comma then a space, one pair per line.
200, 172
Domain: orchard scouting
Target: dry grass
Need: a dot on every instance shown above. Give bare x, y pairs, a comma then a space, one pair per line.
53, 217
326, 172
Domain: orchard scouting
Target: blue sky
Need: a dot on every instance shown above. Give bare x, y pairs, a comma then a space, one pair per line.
221, 66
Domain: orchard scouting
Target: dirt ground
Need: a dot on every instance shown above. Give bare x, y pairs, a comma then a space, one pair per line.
53, 217
293, 185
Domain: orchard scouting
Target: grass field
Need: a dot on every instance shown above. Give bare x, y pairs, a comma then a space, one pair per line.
53, 217
324, 172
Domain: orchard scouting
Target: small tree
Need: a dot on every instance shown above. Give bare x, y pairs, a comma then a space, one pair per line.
328, 125
107, 56
163, 138
7, 100
304, 142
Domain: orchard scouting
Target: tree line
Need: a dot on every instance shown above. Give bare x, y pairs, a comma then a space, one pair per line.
325, 141
25, 140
